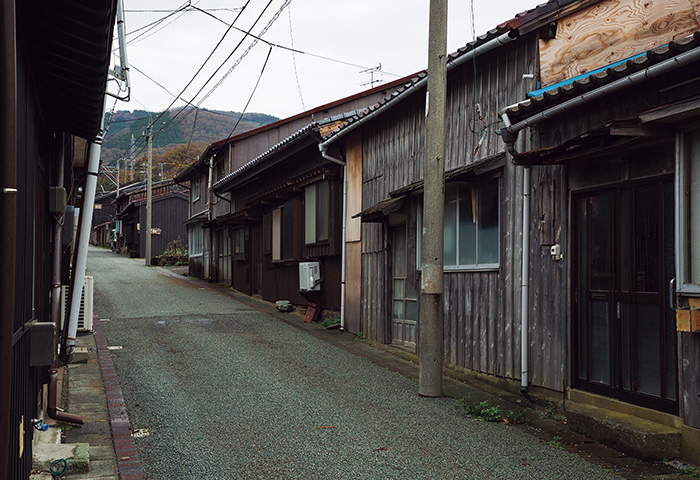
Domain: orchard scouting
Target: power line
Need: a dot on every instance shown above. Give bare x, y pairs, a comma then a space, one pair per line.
294, 58
292, 49
246, 105
207, 59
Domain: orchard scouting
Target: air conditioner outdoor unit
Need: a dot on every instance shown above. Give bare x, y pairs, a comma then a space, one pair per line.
85, 315
309, 276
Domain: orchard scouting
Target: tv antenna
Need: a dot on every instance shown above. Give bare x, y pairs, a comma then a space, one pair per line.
372, 79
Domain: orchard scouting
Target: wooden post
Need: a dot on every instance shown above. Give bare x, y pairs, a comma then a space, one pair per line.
431, 303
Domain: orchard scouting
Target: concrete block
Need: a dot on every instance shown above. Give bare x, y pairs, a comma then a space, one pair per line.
77, 456
633, 435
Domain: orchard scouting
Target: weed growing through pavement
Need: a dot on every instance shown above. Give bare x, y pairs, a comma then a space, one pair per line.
556, 443
488, 411
690, 471
329, 321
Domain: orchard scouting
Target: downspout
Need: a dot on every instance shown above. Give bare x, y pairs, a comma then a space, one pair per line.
86, 212
52, 396
343, 256
525, 287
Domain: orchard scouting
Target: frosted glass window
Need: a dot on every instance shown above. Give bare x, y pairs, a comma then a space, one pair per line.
310, 214
317, 212
472, 225
450, 246
694, 209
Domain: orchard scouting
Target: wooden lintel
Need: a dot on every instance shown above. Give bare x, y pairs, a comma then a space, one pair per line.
640, 131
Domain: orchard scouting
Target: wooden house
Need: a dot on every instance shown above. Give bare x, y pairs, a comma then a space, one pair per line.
54, 58
103, 220
170, 211
560, 244
220, 215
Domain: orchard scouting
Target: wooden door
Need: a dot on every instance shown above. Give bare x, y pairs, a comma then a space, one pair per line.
404, 305
624, 329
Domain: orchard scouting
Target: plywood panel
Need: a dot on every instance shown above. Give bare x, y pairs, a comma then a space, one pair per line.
353, 150
353, 287
613, 30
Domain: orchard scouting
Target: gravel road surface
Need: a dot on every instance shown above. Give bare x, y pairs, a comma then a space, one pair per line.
225, 391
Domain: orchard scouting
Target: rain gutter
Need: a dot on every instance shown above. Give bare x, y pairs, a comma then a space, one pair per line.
510, 131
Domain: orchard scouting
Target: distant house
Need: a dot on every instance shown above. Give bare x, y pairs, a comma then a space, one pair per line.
170, 211
224, 220
103, 220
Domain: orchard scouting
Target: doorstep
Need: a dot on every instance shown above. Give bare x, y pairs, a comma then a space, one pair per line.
640, 432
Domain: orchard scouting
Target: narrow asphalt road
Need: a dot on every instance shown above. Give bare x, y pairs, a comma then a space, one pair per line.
226, 391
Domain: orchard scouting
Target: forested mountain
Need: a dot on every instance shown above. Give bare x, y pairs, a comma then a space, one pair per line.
179, 135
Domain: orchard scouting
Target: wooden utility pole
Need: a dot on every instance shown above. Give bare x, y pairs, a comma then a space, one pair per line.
431, 303
149, 199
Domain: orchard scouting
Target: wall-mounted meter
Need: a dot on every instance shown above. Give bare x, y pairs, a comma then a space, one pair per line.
309, 276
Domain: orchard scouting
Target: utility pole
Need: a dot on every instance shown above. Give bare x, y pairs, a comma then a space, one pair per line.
149, 199
431, 302
119, 176
131, 158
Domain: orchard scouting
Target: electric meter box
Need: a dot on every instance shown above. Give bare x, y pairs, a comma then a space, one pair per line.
309, 276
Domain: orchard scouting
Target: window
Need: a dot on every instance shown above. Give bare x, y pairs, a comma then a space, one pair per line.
277, 235
196, 239
317, 212
239, 240
688, 213
283, 232
195, 189
472, 238
267, 231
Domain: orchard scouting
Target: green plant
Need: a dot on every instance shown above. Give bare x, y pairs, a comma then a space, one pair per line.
328, 321
690, 471
556, 443
516, 417
483, 410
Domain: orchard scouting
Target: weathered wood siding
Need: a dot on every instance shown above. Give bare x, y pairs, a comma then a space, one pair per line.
548, 292
376, 295
689, 354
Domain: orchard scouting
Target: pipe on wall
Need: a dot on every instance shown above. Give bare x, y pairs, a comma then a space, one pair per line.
525, 288
343, 256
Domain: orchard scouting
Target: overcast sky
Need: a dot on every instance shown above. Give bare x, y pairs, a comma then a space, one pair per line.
339, 38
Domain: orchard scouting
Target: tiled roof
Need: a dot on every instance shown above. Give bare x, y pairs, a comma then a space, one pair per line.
534, 16
601, 78
310, 129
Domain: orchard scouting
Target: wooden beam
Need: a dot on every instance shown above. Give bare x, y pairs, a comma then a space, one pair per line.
640, 131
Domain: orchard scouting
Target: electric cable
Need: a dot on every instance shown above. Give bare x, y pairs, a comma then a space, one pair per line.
207, 60
246, 105
294, 58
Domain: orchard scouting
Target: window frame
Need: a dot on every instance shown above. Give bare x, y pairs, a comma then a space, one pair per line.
196, 190
457, 267
683, 247
195, 240
314, 238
